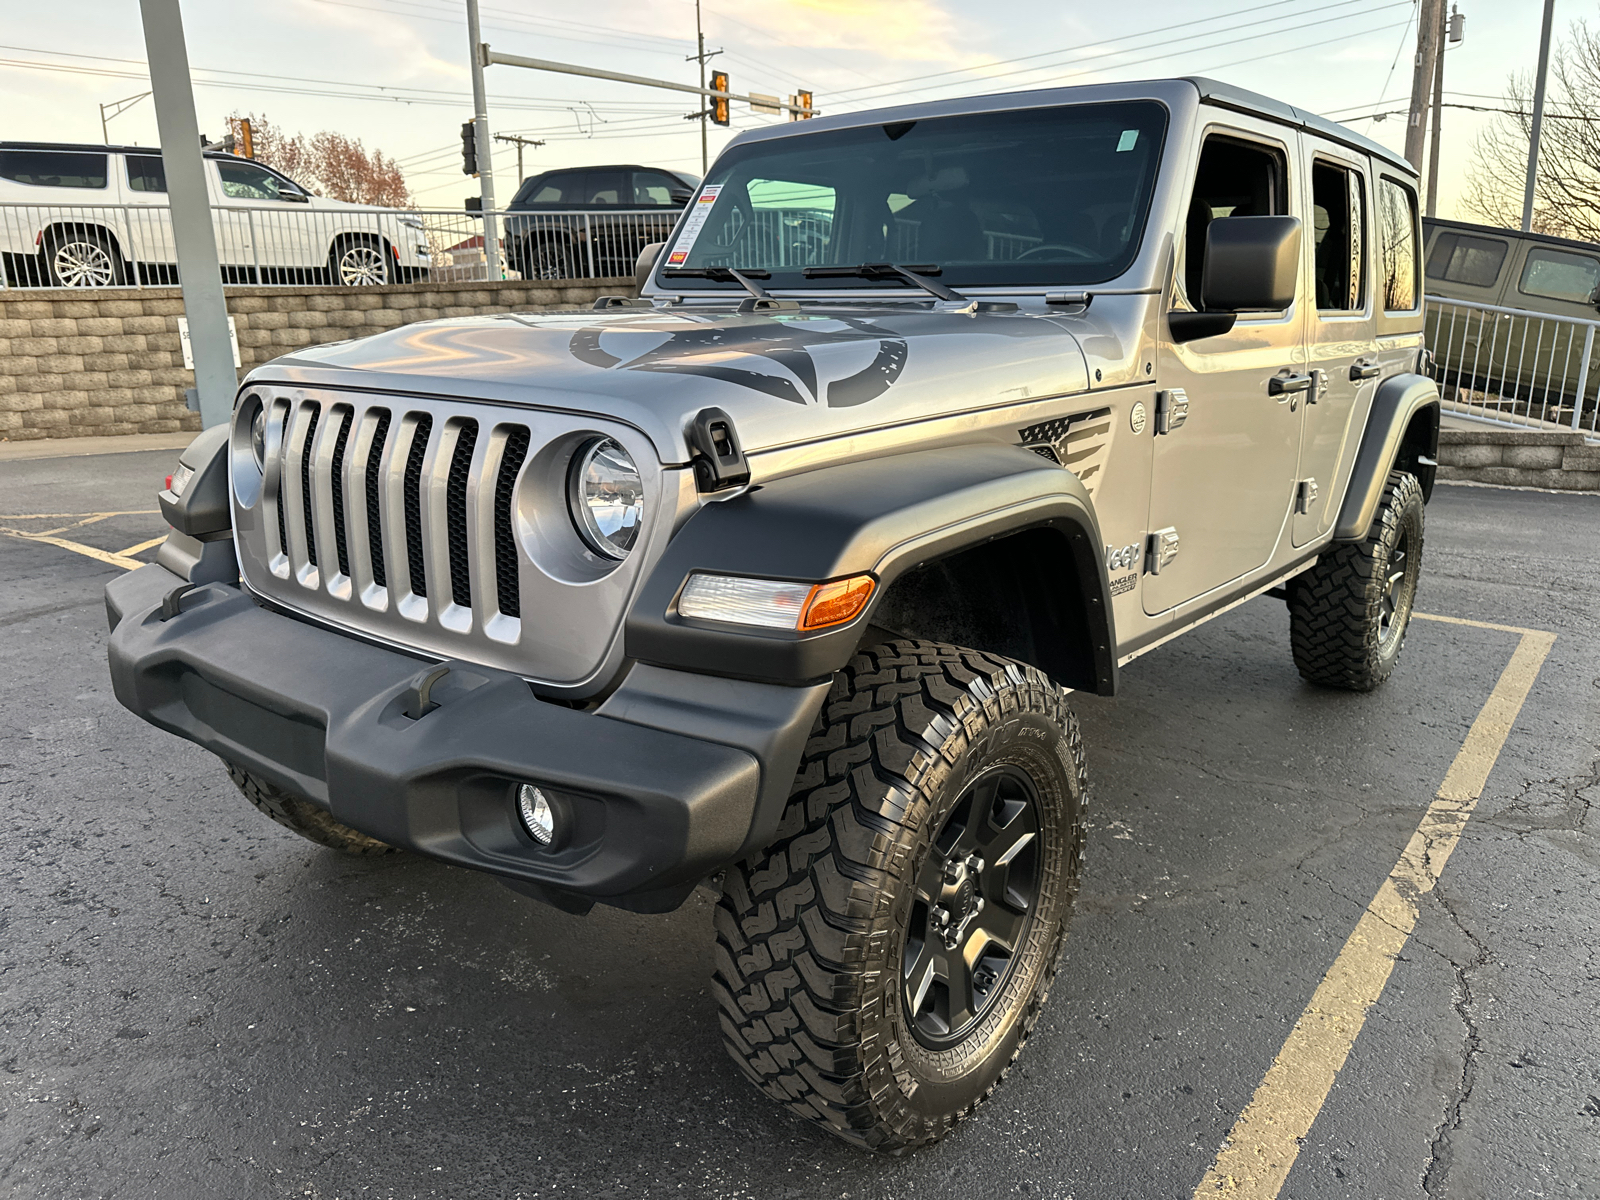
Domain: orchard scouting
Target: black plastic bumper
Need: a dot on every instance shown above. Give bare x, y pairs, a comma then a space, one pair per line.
652, 808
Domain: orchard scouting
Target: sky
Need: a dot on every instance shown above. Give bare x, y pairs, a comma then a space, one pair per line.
395, 73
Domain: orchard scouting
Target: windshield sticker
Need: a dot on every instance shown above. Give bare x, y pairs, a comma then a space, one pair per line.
695, 222
1126, 141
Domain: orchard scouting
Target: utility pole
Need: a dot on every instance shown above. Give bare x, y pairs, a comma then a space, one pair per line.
705, 113
480, 117
1538, 116
1450, 36
520, 143
1429, 19
204, 305
117, 107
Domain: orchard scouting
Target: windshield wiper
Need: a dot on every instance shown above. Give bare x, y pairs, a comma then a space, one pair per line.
918, 275
744, 277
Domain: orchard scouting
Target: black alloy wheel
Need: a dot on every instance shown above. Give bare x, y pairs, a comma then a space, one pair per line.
1395, 601
975, 894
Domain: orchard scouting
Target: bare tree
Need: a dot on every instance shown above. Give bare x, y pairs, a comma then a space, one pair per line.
1566, 197
329, 163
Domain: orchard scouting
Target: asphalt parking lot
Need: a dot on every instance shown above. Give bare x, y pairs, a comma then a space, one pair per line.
194, 1002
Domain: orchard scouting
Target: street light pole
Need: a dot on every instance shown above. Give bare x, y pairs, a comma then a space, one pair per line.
480, 117
198, 273
1538, 116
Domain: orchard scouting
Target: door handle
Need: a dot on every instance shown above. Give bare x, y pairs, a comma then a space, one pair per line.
1287, 385
1364, 370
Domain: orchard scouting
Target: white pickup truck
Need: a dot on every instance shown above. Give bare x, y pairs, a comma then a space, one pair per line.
98, 216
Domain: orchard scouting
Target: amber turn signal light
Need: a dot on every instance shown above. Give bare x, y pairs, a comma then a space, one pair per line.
837, 602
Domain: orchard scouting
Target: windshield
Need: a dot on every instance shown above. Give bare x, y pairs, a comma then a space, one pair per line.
1029, 197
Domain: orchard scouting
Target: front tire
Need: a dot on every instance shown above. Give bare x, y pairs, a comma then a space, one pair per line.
310, 822
1348, 614
881, 964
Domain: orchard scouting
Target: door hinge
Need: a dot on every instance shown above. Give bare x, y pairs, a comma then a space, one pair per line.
1319, 385
1305, 495
1172, 409
1160, 549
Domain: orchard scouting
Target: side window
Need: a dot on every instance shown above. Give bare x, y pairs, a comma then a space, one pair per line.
1235, 178
146, 173
1560, 275
652, 189
1462, 258
564, 187
54, 168
1397, 233
246, 181
604, 187
1338, 214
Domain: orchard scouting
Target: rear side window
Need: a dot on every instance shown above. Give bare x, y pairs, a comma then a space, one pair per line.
54, 168
1461, 258
604, 187
1397, 237
564, 187
1338, 210
1559, 275
146, 173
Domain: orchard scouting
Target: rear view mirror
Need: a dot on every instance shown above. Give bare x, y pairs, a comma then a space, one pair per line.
1252, 264
646, 263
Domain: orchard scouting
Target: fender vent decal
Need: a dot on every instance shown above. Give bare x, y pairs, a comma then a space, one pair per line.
1078, 442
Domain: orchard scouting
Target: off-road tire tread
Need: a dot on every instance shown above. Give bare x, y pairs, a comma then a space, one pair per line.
306, 819
1332, 628
800, 924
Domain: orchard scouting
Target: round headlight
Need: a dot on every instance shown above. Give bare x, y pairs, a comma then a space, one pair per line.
606, 496
258, 437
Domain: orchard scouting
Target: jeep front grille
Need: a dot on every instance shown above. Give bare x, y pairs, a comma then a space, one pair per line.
411, 520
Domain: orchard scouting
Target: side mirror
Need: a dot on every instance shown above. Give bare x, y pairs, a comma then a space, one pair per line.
680, 196
1252, 264
645, 263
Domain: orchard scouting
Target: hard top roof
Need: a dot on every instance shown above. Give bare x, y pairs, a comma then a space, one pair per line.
1211, 91
1548, 239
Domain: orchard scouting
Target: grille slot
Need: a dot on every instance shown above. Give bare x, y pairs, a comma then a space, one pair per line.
374, 515
313, 412
336, 479
415, 559
506, 577
455, 507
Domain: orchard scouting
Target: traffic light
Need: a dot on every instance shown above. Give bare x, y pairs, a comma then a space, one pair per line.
800, 106
719, 104
469, 148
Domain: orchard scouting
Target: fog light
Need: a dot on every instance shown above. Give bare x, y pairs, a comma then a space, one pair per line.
538, 818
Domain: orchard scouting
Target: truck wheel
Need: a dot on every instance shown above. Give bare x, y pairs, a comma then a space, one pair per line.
880, 965
304, 818
1349, 613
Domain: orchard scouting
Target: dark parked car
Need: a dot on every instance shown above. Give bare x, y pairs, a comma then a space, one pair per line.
592, 221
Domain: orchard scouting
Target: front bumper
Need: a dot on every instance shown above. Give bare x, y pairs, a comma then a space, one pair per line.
673, 777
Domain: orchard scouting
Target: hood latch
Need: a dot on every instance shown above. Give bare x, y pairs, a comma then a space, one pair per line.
714, 450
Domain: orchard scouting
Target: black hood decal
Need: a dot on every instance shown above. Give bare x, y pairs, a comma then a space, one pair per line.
766, 343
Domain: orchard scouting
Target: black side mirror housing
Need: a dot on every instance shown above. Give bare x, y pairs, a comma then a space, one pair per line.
680, 196
645, 263
1252, 264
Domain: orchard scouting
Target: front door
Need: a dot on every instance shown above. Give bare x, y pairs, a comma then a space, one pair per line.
1340, 337
1223, 479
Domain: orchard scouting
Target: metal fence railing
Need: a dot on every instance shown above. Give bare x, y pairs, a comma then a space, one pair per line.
1513, 365
276, 243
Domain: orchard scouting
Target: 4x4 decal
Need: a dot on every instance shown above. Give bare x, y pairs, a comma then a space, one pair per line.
759, 346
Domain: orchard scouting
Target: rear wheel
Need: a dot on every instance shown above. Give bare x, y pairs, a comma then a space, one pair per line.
1348, 614
360, 262
881, 964
82, 258
310, 822
551, 260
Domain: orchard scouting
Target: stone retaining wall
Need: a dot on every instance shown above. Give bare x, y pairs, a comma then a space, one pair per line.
1563, 461
82, 364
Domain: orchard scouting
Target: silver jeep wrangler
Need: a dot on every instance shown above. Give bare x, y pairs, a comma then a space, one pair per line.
781, 573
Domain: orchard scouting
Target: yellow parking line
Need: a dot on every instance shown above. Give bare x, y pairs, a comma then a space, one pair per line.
79, 517
155, 541
1262, 1145
105, 556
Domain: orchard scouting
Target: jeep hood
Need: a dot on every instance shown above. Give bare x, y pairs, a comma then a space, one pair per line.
784, 376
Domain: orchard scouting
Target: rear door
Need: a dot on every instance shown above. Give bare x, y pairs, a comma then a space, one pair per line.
1223, 480
1341, 346
150, 233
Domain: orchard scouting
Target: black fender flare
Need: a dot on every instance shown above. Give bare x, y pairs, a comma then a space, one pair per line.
1397, 404
882, 516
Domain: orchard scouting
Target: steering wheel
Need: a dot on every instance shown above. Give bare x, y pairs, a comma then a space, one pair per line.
1070, 252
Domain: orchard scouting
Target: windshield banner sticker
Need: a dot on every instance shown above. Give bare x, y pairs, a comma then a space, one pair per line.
693, 224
